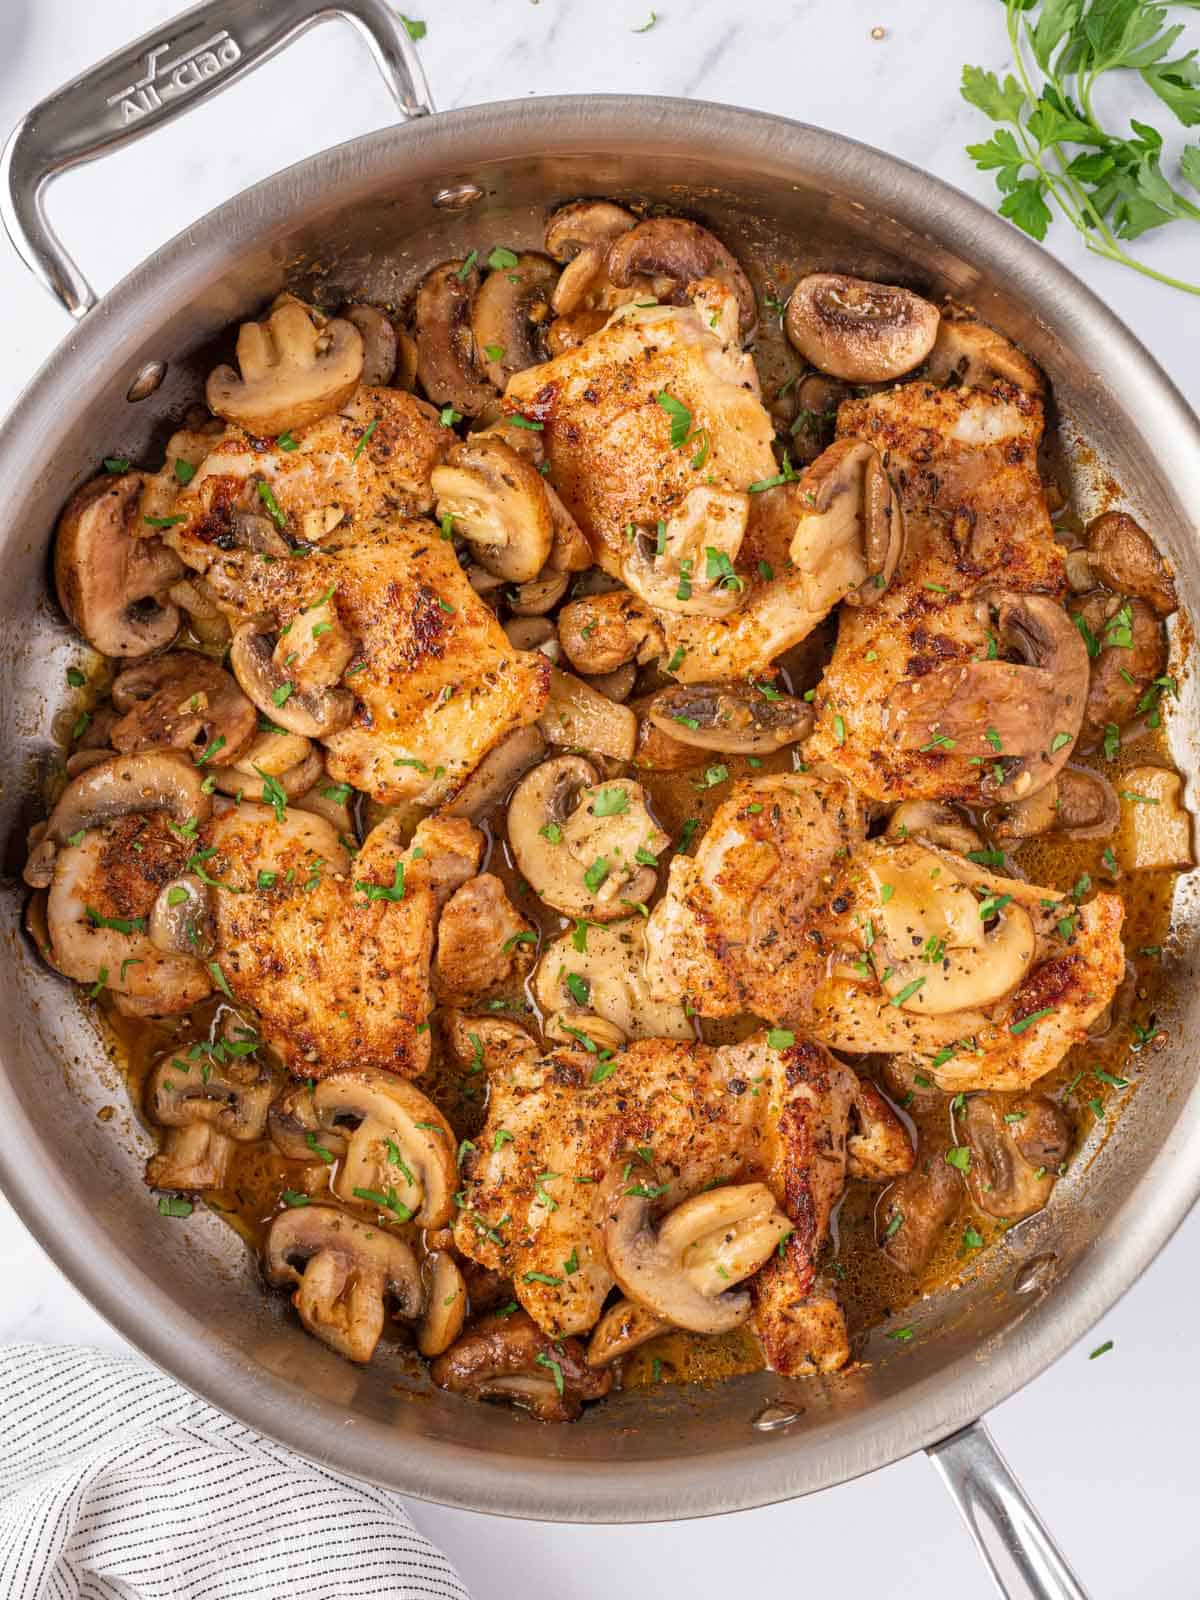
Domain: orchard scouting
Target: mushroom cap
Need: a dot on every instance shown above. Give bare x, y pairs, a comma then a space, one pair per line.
181, 919
937, 948
858, 330
114, 787
447, 364
1122, 555
682, 1271
973, 354
850, 528
933, 820
685, 564
380, 344
508, 1357
112, 581
182, 701
344, 1270
497, 501
580, 715
232, 1095
401, 1144
493, 779
313, 713
737, 718
509, 314
622, 1328
292, 371
576, 842
684, 252
445, 1303
601, 632
574, 227
1002, 1179
611, 970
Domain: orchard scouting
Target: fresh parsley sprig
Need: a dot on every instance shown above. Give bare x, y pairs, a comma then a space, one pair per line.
1053, 151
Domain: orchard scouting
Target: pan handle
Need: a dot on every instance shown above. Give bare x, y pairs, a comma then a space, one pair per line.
156, 79
1022, 1557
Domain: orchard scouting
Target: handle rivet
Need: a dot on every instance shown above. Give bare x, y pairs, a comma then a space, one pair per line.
458, 197
775, 1415
1038, 1272
146, 380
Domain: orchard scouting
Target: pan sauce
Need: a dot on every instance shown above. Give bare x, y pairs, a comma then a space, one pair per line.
870, 1287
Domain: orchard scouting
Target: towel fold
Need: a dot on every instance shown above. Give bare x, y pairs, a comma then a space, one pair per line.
117, 1484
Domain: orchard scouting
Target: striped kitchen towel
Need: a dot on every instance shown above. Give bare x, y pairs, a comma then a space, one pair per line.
117, 1484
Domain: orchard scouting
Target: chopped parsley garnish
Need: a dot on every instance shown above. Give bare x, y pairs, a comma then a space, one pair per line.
379, 891
117, 924
174, 1205
366, 434
267, 495
959, 1156
781, 1038
596, 873
1027, 1022
611, 802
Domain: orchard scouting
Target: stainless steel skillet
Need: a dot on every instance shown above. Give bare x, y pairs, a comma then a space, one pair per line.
367, 218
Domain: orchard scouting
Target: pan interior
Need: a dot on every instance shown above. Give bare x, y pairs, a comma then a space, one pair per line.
363, 221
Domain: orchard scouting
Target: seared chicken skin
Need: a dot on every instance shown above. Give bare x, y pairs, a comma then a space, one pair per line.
918, 700
533, 1205
436, 683
885, 945
334, 955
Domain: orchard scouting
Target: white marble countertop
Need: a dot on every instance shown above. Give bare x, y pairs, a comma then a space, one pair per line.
1103, 1446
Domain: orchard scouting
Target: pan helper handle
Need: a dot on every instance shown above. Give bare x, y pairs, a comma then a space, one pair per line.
1024, 1561
156, 79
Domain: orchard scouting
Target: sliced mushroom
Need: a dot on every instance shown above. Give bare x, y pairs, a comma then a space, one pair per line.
858, 330
193, 1157
925, 1200
576, 1029
181, 919
400, 1155
850, 529
617, 685
603, 631
570, 551
972, 354
657, 751
296, 1131
935, 821
622, 1328
497, 501
380, 346
509, 315
182, 701
1128, 652
207, 621
582, 845
812, 413
1003, 1133
112, 574
542, 594
1122, 555
153, 781
447, 363
203, 1084
1022, 720
289, 757
686, 563
533, 633
494, 777
574, 227
607, 977
292, 371
445, 1303
577, 714
312, 713
345, 1271
936, 947
682, 252
1156, 826
508, 1357
1079, 802
682, 1270
738, 718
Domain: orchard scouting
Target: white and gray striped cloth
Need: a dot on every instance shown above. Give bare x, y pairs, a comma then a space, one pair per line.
117, 1484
